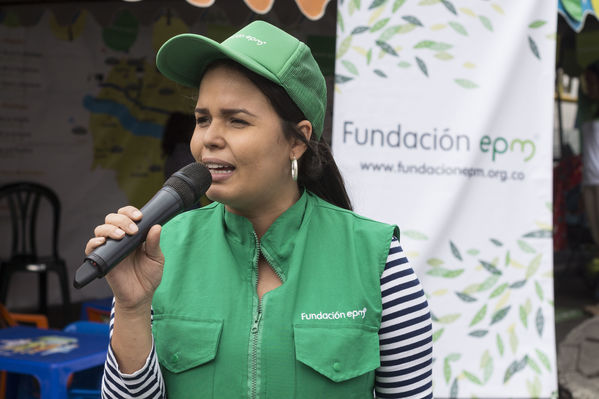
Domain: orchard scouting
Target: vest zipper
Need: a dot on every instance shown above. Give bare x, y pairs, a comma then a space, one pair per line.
255, 329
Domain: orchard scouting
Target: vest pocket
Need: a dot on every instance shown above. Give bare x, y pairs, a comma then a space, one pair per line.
185, 350
336, 360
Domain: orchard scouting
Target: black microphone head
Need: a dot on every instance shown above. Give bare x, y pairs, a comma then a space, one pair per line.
190, 182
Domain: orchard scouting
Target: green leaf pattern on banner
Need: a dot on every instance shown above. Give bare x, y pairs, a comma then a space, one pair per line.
525, 247
455, 251
397, 4
486, 22
500, 346
434, 262
533, 47
412, 20
360, 29
437, 334
350, 66
344, 46
386, 48
376, 3
466, 84
540, 322
380, 25
445, 273
449, 6
465, 297
458, 27
500, 315
479, 315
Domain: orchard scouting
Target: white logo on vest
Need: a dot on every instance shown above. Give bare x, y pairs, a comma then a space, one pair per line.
351, 314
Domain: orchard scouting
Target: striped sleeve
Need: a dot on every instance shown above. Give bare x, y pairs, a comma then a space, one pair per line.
145, 383
405, 335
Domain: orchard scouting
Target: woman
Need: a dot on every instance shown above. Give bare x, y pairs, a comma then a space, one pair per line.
272, 291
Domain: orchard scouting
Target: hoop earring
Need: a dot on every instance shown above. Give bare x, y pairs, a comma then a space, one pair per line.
294, 169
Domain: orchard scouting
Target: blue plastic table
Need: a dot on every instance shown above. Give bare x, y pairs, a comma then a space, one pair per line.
50, 355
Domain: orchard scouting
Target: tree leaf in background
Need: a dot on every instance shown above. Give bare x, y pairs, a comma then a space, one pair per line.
533, 47
397, 4
453, 392
500, 315
448, 319
537, 24
533, 365
376, 3
380, 73
478, 333
523, 316
434, 262
490, 268
498, 291
472, 377
533, 266
455, 251
404, 64
458, 27
486, 22
539, 290
525, 247
386, 48
344, 46
540, 322
473, 252
500, 346
479, 315
496, 242
518, 284
544, 359
422, 66
539, 234
449, 6
413, 20
466, 84
379, 25
465, 297
437, 334
342, 79
416, 235
350, 66
359, 29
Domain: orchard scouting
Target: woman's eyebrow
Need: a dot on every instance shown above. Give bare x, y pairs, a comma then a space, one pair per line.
226, 111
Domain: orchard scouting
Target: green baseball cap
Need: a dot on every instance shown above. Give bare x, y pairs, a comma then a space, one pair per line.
263, 49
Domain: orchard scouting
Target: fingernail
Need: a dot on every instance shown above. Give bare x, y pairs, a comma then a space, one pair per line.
100, 240
119, 232
136, 214
133, 227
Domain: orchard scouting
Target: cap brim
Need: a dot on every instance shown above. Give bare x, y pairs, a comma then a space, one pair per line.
183, 59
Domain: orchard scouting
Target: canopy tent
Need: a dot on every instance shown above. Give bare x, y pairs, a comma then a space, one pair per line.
576, 12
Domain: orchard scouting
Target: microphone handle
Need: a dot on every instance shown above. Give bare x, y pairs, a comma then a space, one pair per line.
164, 205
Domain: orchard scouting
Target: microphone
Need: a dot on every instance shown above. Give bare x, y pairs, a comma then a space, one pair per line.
180, 192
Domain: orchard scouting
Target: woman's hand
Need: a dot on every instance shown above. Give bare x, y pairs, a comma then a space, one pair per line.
134, 280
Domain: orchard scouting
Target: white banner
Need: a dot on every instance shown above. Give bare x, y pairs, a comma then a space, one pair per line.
443, 125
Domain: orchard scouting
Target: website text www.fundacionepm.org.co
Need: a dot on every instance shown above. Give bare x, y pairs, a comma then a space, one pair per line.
442, 170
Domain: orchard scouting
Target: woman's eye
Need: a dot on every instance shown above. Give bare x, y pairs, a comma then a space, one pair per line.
201, 120
239, 122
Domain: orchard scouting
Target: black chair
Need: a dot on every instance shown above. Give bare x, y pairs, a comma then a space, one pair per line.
24, 199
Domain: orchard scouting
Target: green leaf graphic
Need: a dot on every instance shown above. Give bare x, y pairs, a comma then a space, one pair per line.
473, 252
368, 56
386, 48
490, 268
434, 262
458, 27
488, 283
539, 234
486, 363
395, 30
344, 46
455, 251
513, 341
380, 73
537, 24
525, 247
472, 377
340, 21
422, 66
533, 47
479, 315
544, 359
496, 242
342, 79
428, 2
413, 20
523, 316
466, 84
445, 273
500, 314
432, 45
515, 367
498, 291
539, 290
533, 365
377, 3
416, 235
453, 392
533, 266
465, 297
478, 333
507, 258
518, 284
486, 22
449, 6
397, 4
350, 66
450, 318
356, 4
500, 346
447, 370
359, 29
404, 64
379, 25
540, 322
437, 334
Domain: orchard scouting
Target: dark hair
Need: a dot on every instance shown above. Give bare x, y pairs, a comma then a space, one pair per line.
178, 129
318, 171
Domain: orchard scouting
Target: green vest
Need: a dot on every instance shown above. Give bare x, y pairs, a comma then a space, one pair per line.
315, 336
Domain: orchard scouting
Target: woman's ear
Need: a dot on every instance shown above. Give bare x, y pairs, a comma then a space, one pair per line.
298, 147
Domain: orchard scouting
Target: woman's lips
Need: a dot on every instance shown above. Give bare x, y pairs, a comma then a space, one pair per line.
219, 170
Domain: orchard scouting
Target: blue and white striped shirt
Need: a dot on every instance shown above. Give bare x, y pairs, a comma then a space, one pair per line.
405, 337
